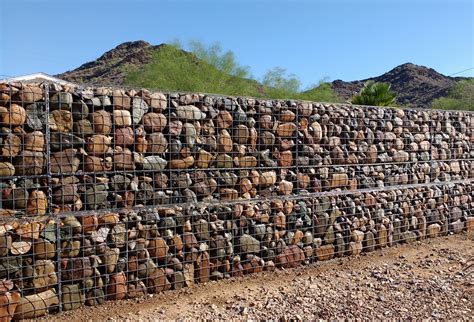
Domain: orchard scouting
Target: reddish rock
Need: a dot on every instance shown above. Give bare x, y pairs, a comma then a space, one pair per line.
117, 287
292, 256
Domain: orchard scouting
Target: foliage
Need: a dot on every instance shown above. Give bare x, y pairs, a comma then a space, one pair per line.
280, 85
174, 69
208, 69
320, 93
375, 94
213, 55
460, 97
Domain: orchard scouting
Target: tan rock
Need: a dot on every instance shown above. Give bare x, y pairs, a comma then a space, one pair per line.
37, 203
357, 236
14, 116
266, 122
381, 236
339, 180
120, 100
247, 162
303, 180
203, 159
8, 303
228, 194
355, 248
64, 161
101, 122
325, 252
43, 249
224, 142
372, 154
317, 132
60, 121
267, 178
285, 187
401, 156
287, 116
34, 141
280, 220
98, 144
305, 109
158, 248
6, 169
470, 224
285, 159
123, 160
286, 129
224, 161
11, 145
122, 118
241, 134
29, 163
96, 164
245, 185
154, 122
157, 143
224, 120
30, 93
433, 230
36, 305
157, 101
20, 247
181, 163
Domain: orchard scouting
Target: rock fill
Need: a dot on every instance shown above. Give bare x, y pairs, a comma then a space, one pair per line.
109, 193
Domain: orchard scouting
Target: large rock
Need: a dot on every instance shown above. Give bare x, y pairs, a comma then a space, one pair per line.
248, 244
189, 112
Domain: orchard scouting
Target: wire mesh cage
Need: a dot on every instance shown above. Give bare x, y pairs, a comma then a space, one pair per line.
110, 193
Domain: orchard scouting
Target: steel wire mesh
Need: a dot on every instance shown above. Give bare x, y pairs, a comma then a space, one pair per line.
110, 194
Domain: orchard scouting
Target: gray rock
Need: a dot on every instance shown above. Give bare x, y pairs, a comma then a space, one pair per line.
153, 163
35, 116
189, 134
201, 228
248, 244
61, 100
189, 112
139, 108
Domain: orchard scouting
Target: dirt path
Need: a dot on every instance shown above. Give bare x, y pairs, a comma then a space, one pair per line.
420, 280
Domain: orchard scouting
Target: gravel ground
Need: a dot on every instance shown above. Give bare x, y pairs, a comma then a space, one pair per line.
421, 280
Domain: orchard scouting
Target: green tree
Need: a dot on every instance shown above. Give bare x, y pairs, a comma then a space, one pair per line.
460, 97
223, 61
209, 69
278, 84
321, 92
375, 94
172, 68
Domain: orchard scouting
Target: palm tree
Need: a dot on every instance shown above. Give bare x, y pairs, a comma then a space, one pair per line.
375, 94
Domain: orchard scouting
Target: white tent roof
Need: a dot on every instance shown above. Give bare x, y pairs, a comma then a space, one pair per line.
38, 77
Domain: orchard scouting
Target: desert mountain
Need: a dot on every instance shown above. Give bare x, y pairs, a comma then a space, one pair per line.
415, 85
110, 68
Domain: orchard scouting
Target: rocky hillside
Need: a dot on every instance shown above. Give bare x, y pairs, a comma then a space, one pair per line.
110, 67
415, 85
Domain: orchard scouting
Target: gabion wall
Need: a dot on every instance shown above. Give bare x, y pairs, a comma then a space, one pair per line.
109, 194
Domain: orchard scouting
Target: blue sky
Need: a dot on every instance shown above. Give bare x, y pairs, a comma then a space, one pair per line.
313, 39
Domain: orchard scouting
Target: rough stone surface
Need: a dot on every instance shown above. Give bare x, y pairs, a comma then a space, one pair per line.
150, 192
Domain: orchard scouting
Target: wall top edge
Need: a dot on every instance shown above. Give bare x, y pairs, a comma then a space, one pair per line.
80, 89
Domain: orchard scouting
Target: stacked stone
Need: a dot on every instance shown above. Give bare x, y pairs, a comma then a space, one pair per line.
146, 192
28, 272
